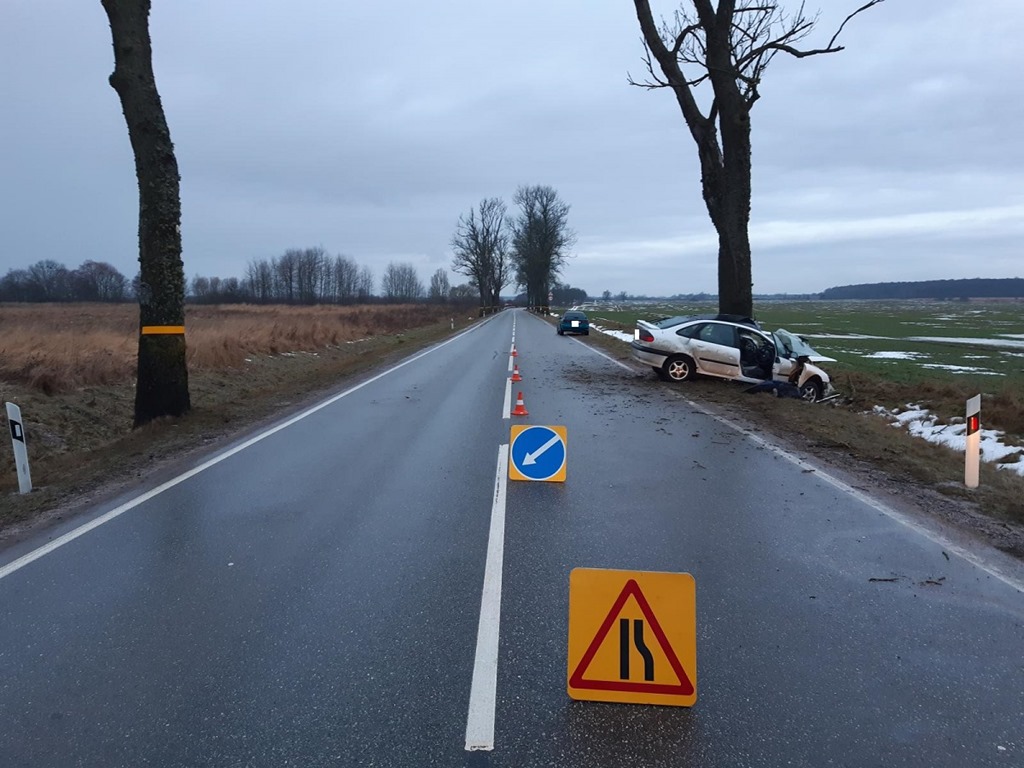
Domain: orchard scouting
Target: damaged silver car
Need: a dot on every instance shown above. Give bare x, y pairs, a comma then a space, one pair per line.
730, 347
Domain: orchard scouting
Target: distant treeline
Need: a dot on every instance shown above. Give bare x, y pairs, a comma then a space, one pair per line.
298, 276
976, 288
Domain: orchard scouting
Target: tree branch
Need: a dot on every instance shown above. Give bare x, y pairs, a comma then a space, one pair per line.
681, 37
862, 8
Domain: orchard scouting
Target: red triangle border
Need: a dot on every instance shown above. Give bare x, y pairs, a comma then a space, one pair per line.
685, 687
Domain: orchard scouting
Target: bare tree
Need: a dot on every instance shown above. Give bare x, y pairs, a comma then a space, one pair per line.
310, 266
49, 280
162, 378
346, 279
439, 286
15, 286
728, 47
285, 275
259, 281
201, 290
98, 281
400, 283
365, 284
541, 241
481, 245
461, 294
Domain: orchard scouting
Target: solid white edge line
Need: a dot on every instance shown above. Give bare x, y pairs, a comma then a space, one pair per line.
937, 538
484, 689
511, 362
506, 409
70, 536
609, 358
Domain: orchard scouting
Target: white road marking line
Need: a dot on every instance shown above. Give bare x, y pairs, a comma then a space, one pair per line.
510, 363
606, 357
484, 690
506, 408
70, 536
947, 544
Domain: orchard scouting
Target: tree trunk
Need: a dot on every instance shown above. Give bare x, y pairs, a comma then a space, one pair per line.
732, 215
162, 378
735, 295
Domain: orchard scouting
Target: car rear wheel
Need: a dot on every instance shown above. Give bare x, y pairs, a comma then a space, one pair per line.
810, 390
679, 368
560, 332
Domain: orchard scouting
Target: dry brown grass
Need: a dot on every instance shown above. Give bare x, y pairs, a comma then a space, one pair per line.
57, 348
1002, 403
71, 369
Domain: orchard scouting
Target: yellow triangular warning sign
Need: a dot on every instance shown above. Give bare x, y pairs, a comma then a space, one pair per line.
625, 653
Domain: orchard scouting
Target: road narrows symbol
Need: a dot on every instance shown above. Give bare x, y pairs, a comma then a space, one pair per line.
641, 647
652, 658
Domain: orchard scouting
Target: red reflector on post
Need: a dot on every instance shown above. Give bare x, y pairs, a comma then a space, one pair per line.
973, 424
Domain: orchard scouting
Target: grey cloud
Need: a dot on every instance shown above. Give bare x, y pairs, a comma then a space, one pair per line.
368, 128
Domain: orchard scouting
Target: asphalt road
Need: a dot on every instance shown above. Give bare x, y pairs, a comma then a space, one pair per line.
314, 597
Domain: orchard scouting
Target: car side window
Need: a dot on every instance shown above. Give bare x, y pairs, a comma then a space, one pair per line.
716, 333
691, 331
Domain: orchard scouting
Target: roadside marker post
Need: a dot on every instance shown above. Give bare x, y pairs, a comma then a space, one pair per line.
632, 637
972, 461
20, 448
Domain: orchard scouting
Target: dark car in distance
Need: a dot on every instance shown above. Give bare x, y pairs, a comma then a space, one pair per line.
574, 321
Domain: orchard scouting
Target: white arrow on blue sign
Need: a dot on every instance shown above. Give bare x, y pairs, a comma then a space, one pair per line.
538, 453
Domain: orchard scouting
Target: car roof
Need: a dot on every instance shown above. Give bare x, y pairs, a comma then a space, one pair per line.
669, 322
574, 313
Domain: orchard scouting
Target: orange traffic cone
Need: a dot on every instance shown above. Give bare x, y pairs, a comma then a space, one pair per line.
515, 374
514, 353
520, 409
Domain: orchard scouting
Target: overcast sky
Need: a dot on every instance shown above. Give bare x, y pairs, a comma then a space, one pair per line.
368, 128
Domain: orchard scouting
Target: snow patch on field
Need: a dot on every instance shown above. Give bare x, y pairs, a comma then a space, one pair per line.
894, 355
621, 335
1012, 343
963, 369
920, 422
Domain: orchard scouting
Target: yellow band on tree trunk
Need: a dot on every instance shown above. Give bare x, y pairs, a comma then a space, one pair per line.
160, 330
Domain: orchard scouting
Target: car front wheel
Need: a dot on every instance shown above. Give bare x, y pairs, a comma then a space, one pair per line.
810, 390
679, 368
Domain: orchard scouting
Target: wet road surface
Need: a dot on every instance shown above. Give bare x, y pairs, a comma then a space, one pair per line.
314, 598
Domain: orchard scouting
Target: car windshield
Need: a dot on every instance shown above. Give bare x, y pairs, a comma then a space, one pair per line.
793, 345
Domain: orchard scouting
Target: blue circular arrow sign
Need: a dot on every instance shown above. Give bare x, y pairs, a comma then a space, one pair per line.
538, 453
